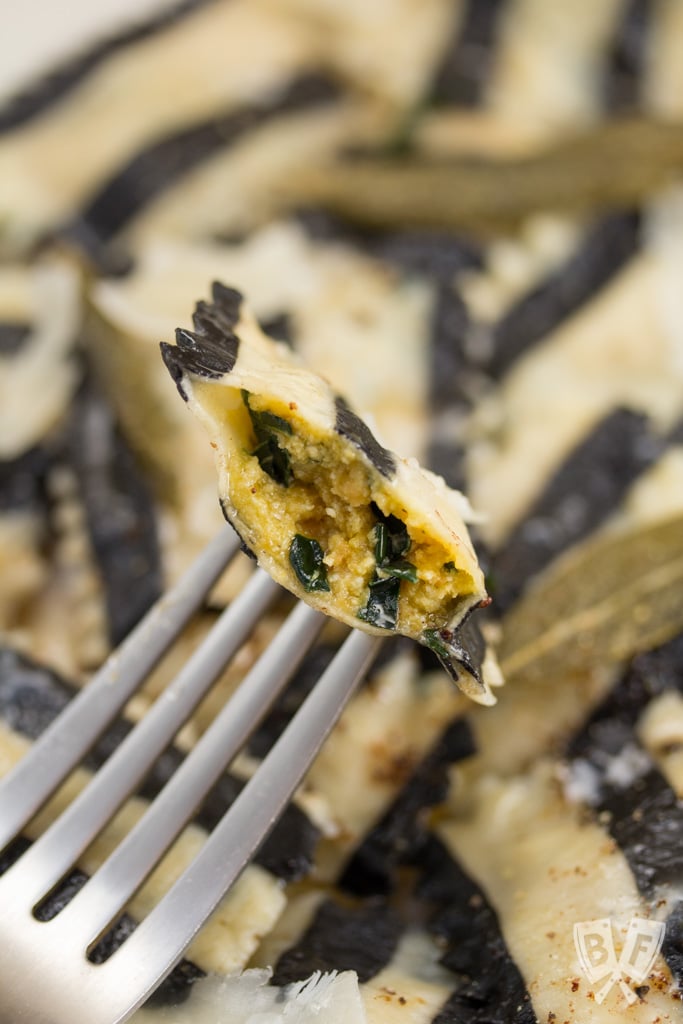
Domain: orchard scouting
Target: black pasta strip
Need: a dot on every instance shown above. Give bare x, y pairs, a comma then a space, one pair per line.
13, 336
154, 169
287, 852
449, 327
468, 646
675, 435
579, 496
210, 350
646, 820
352, 427
222, 312
244, 547
204, 356
491, 989
56, 86
23, 480
288, 703
627, 57
11, 854
672, 948
446, 458
355, 938
436, 254
449, 377
279, 327
403, 828
611, 724
31, 696
321, 225
464, 69
605, 250
642, 813
452, 382
103, 257
120, 514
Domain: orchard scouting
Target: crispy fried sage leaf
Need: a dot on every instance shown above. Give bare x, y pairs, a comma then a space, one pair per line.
616, 165
272, 459
306, 558
611, 599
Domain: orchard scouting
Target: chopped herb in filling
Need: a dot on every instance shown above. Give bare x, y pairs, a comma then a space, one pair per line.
400, 569
272, 459
432, 639
306, 557
382, 607
391, 543
392, 539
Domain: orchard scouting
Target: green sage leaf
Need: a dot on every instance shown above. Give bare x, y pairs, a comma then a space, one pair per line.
614, 165
611, 599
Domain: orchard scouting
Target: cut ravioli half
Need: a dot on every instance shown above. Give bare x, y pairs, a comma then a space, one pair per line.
352, 529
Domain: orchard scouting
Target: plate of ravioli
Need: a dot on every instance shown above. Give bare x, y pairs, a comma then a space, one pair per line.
360, 239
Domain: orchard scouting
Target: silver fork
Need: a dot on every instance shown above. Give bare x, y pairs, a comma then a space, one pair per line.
45, 975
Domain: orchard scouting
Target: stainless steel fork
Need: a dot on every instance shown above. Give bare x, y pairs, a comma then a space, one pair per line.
45, 975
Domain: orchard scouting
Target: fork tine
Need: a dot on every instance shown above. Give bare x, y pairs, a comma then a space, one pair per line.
111, 992
36, 777
56, 851
109, 889
159, 941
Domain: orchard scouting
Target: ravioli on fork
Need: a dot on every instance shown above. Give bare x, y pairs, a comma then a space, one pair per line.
346, 525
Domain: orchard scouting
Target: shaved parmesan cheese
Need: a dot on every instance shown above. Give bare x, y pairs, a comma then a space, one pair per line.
247, 998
